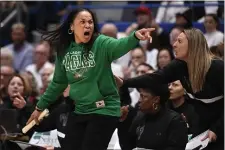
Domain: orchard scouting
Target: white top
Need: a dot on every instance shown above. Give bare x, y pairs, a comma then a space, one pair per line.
152, 58
135, 96
117, 70
125, 59
214, 38
37, 74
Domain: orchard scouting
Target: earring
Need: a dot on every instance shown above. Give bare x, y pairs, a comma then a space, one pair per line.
70, 31
155, 106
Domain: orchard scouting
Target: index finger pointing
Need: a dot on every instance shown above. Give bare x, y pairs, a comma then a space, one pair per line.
151, 29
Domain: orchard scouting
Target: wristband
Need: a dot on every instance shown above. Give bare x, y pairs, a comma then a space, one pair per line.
38, 109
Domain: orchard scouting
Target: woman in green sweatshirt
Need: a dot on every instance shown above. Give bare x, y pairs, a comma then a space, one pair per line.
84, 62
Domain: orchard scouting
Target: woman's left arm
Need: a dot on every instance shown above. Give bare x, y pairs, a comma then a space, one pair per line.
218, 81
116, 48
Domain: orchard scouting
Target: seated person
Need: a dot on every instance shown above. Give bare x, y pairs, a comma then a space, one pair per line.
179, 103
17, 91
155, 126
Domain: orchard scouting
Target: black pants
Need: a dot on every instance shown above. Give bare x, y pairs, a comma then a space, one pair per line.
89, 132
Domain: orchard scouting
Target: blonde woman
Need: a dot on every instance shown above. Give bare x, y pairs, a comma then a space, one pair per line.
202, 76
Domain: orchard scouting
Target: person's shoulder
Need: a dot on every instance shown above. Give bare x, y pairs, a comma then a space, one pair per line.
155, 51
219, 33
29, 45
173, 114
177, 63
7, 50
217, 61
7, 103
30, 67
8, 47
117, 69
48, 64
217, 64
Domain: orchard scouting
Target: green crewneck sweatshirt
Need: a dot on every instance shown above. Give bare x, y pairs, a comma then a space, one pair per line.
92, 85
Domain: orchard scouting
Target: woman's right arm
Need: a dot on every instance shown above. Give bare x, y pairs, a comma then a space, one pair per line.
56, 87
168, 74
54, 90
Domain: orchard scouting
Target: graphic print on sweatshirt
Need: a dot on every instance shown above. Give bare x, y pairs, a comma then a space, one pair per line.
78, 62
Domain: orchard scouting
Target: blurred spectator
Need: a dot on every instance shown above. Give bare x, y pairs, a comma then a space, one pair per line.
6, 73
160, 36
51, 12
160, 39
22, 50
34, 93
179, 104
4, 5
218, 51
210, 9
41, 56
143, 17
111, 30
46, 73
144, 68
8, 8
17, 91
6, 57
138, 56
195, 12
167, 14
213, 35
174, 33
198, 13
184, 20
164, 57
151, 57
220, 48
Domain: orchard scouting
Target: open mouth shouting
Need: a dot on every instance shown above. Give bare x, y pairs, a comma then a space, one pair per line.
87, 34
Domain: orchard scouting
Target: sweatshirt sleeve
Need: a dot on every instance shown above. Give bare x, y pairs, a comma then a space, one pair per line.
115, 48
56, 87
168, 74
